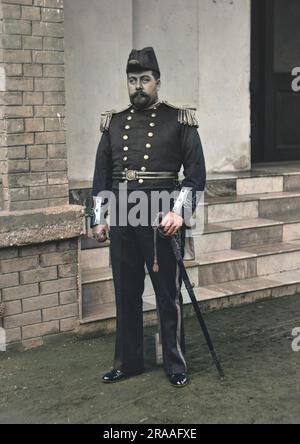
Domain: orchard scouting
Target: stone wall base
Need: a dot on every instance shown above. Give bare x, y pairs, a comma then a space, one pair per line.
39, 274
39, 288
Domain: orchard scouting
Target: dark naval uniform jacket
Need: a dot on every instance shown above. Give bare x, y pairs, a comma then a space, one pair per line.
161, 139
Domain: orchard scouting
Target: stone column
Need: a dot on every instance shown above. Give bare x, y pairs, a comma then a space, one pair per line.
39, 230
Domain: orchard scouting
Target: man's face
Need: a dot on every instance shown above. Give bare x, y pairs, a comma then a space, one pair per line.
143, 89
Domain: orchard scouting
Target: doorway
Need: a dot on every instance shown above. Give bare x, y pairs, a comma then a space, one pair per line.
275, 106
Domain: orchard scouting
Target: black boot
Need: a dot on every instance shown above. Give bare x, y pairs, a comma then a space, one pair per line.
117, 375
178, 379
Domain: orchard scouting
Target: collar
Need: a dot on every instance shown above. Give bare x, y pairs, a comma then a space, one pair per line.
154, 106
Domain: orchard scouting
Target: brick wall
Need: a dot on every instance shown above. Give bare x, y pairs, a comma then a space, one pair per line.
33, 157
39, 286
39, 229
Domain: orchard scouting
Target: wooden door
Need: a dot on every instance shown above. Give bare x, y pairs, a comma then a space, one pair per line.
275, 106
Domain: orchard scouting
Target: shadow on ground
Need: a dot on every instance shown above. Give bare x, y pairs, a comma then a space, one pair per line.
62, 383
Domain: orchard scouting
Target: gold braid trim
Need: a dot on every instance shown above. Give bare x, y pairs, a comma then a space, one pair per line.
186, 114
105, 121
106, 118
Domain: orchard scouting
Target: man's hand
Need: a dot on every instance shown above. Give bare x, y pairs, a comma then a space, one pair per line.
100, 233
171, 223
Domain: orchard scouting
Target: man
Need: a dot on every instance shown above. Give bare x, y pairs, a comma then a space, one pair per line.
144, 147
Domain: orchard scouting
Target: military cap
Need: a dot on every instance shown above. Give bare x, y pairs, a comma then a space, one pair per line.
142, 60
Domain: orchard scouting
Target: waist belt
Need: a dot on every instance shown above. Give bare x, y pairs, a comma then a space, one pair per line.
131, 175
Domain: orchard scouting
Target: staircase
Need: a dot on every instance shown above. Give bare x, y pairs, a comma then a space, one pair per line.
249, 250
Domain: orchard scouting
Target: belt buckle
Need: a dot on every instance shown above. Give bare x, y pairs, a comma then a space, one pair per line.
131, 175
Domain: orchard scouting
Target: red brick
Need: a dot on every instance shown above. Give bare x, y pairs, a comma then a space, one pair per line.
48, 192
48, 165
39, 302
68, 270
23, 319
38, 275
21, 292
19, 264
69, 324
68, 297
48, 247
39, 330
58, 286
62, 312
57, 258
31, 13
13, 308
13, 335
9, 280
11, 11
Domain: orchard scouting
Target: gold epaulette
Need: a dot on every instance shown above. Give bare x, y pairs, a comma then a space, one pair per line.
106, 118
186, 114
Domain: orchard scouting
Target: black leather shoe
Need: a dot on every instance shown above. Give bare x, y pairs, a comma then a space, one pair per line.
114, 376
178, 379
117, 375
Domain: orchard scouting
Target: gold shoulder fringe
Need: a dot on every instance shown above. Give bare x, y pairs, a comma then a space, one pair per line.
186, 114
106, 118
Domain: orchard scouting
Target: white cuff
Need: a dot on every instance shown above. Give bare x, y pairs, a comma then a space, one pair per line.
97, 210
181, 200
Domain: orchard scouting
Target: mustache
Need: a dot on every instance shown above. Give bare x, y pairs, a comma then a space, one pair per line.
139, 94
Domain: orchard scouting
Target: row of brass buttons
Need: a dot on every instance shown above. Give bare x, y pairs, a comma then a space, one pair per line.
128, 127
126, 137
148, 145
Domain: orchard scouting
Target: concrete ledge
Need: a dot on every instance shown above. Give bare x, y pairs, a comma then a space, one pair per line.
20, 228
95, 327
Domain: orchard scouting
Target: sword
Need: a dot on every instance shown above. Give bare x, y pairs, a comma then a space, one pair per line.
190, 288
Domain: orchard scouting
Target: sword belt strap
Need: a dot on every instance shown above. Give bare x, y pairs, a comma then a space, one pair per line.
131, 175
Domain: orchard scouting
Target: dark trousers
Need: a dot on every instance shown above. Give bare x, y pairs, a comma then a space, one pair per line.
131, 248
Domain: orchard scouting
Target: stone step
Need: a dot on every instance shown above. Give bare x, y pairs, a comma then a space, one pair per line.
217, 210
249, 232
245, 183
263, 178
248, 248
258, 193
95, 258
209, 269
250, 262
225, 236
215, 296
251, 206
98, 288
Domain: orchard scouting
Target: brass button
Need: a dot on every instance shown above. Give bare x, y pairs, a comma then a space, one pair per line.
125, 137
148, 145
127, 127
129, 118
141, 181
150, 134
143, 169
125, 181
132, 111
152, 125
125, 148
146, 157
153, 115
125, 159
125, 169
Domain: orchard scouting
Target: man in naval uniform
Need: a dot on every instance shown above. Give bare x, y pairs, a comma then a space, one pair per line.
144, 147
